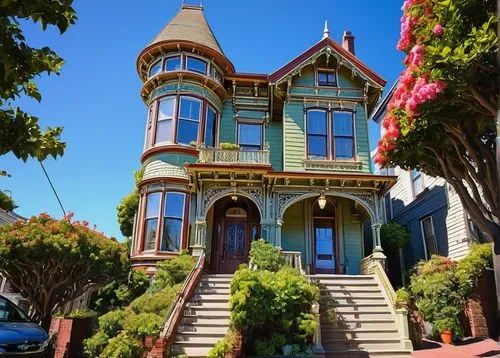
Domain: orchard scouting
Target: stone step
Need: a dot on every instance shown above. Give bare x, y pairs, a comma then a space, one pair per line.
202, 329
210, 284
215, 297
353, 353
213, 305
358, 307
205, 320
356, 323
219, 275
201, 339
329, 276
206, 313
190, 351
360, 292
353, 300
367, 315
216, 279
212, 291
340, 333
368, 344
348, 283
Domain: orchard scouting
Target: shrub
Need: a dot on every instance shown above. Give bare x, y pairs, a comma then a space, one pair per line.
172, 272
112, 322
403, 296
264, 303
122, 346
158, 302
472, 267
394, 236
82, 314
264, 256
94, 345
143, 324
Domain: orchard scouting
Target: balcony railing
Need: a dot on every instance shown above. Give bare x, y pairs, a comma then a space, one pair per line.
293, 259
234, 156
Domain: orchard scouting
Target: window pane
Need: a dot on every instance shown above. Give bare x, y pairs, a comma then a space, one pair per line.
316, 122
322, 78
174, 205
196, 65
343, 147
153, 205
166, 108
327, 78
9, 312
430, 240
164, 131
187, 132
155, 68
172, 232
150, 236
173, 63
190, 109
210, 128
250, 135
342, 123
316, 147
325, 258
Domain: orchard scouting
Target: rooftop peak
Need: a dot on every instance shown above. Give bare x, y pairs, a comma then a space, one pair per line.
326, 33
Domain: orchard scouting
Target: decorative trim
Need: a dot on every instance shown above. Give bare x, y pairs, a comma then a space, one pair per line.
353, 166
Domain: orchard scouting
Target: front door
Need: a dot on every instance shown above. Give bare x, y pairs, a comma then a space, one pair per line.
234, 251
324, 247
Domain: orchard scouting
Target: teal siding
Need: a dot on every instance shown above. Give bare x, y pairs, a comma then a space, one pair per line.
352, 239
227, 126
294, 136
293, 236
306, 78
274, 136
362, 141
345, 79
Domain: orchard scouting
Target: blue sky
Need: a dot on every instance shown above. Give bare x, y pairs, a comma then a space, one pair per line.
96, 97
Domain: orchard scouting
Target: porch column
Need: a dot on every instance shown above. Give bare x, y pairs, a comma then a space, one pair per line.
279, 223
199, 237
378, 253
267, 231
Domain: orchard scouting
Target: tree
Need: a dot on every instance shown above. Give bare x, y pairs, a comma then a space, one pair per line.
20, 64
51, 262
6, 202
128, 207
441, 119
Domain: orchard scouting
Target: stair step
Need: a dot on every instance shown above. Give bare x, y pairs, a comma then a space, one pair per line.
205, 321
366, 344
191, 352
358, 307
211, 291
354, 353
198, 339
342, 316
347, 283
217, 280
333, 333
343, 293
209, 284
335, 276
216, 297
197, 312
202, 329
356, 323
211, 305
353, 300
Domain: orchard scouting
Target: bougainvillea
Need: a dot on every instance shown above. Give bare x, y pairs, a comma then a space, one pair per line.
441, 116
51, 262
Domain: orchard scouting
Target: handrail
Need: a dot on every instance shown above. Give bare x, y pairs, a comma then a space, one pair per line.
183, 295
293, 259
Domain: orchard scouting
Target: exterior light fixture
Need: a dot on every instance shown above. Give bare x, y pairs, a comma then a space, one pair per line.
234, 197
322, 201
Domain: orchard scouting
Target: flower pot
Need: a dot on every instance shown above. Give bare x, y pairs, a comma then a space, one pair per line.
447, 337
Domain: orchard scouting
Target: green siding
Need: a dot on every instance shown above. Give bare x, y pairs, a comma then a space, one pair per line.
306, 78
345, 79
293, 236
227, 126
362, 142
352, 239
294, 136
274, 136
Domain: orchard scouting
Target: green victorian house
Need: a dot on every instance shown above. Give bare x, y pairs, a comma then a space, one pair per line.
231, 157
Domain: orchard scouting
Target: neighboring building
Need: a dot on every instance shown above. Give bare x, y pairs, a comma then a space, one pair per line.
302, 133
430, 208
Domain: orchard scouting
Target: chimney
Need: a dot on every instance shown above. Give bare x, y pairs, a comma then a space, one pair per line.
348, 41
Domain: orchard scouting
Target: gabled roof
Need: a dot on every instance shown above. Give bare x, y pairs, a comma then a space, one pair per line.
326, 42
189, 25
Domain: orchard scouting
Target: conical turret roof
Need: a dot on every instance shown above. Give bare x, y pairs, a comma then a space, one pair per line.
189, 25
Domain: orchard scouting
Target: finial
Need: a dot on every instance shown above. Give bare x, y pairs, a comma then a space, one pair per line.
326, 33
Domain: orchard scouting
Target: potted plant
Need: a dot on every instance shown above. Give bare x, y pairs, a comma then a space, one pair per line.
446, 327
229, 146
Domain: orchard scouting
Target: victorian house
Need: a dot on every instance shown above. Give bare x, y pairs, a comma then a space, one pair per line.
232, 157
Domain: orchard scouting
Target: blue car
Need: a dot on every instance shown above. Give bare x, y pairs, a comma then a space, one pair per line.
18, 335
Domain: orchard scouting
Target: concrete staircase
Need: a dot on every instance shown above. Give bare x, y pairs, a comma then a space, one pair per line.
206, 317
365, 323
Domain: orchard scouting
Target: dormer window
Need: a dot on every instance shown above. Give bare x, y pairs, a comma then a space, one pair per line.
196, 65
330, 134
327, 78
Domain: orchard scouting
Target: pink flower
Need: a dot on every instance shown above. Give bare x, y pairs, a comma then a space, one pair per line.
438, 30
393, 131
416, 55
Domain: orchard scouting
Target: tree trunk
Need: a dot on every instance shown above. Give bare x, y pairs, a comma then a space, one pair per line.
45, 322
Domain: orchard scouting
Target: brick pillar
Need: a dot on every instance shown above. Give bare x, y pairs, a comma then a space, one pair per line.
478, 325
63, 335
155, 346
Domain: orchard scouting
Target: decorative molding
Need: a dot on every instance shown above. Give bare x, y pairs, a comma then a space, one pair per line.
351, 166
160, 169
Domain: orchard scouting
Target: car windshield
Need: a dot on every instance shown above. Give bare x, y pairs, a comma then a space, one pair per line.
10, 312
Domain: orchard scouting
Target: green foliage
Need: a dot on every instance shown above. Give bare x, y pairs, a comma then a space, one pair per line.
128, 207
94, 345
472, 267
143, 324
20, 64
122, 346
264, 256
158, 302
82, 314
59, 258
226, 345
264, 303
6, 202
394, 236
229, 146
172, 272
403, 296
112, 322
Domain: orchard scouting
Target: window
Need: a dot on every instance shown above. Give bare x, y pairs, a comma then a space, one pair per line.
210, 127
149, 126
10, 312
417, 180
173, 63
327, 78
317, 137
196, 65
343, 135
151, 220
155, 68
428, 236
250, 136
172, 222
189, 120
164, 120
330, 134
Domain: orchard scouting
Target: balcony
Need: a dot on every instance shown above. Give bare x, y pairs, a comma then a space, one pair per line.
234, 156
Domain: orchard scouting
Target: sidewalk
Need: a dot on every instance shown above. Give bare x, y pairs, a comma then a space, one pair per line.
486, 348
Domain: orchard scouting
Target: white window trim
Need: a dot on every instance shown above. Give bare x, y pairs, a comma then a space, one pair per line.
423, 235
323, 69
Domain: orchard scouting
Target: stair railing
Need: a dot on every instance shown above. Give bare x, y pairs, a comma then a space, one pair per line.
176, 312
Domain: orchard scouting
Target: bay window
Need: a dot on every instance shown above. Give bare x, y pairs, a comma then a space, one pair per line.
155, 68
189, 120
210, 127
151, 220
165, 119
172, 222
330, 134
187, 62
173, 63
196, 65
250, 136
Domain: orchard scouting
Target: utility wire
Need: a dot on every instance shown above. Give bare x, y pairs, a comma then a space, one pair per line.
55, 193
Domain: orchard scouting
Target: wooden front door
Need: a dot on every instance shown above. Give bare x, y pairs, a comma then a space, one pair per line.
234, 246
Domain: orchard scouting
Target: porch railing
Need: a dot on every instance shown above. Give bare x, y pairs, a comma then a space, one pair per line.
231, 156
293, 259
